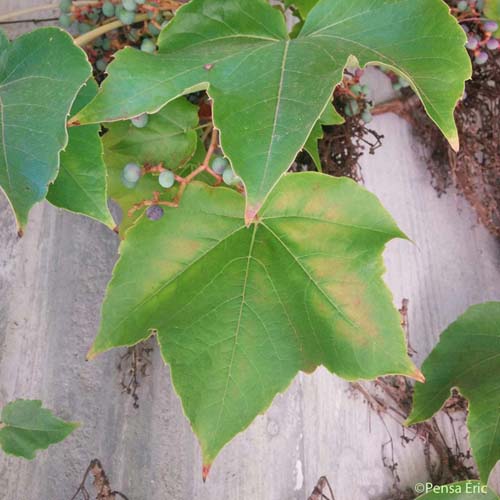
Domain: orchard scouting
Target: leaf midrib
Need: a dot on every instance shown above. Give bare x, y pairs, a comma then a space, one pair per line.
237, 331
276, 113
32, 429
4, 143
333, 223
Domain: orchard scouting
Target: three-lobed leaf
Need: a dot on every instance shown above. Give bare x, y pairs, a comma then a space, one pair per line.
240, 310
26, 427
467, 357
80, 186
269, 90
169, 138
40, 75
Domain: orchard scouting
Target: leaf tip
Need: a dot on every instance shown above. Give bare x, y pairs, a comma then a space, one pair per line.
205, 471
418, 375
91, 354
454, 143
73, 122
409, 422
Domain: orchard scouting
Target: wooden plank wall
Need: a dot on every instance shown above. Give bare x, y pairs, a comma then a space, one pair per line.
52, 282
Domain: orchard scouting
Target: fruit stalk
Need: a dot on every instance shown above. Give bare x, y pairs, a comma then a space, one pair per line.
83, 40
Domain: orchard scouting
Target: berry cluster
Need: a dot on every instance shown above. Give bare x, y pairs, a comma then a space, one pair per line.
356, 96
139, 31
481, 40
132, 173
222, 167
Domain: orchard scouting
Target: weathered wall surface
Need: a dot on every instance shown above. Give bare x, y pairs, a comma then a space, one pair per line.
52, 282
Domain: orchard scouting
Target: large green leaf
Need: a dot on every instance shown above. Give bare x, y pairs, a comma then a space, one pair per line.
269, 90
468, 357
26, 427
240, 310
463, 490
40, 75
169, 138
81, 183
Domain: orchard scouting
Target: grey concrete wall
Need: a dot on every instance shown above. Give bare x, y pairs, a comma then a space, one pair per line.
52, 282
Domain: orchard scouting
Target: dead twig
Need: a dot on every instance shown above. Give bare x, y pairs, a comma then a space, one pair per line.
319, 489
101, 484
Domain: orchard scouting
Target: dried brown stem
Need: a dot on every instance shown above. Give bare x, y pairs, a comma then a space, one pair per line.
101, 483
205, 166
318, 492
402, 108
183, 181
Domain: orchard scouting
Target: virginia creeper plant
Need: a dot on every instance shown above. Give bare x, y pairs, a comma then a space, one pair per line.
25, 427
245, 273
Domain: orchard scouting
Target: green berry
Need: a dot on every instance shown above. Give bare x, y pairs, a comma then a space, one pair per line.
129, 5
219, 165
166, 179
366, 116
106, 44
101, 64
148, 45
126, 17
404, 83
65, 5
351, 108
463, 5
133, 36
84, 28
131, 173
356, 89
153, 30
108, 9
230, 178
93, 15
65, 20
140, 121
